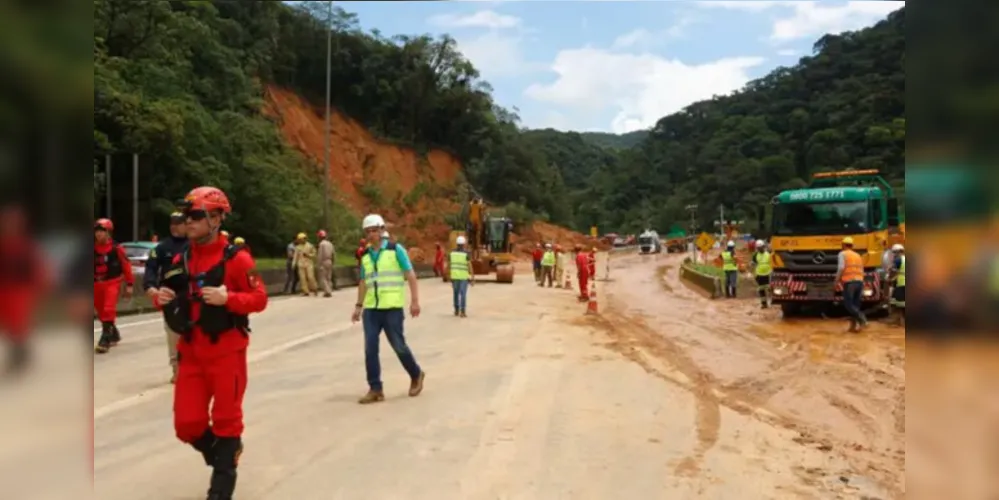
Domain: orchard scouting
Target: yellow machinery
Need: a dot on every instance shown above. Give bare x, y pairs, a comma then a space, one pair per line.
488, 243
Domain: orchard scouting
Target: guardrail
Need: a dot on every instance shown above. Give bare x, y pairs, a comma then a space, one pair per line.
714, 286
274, 280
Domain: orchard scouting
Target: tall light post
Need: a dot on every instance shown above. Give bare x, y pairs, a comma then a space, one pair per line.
326, 171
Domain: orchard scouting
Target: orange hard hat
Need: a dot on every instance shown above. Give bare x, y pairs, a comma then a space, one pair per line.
321, 233
208, 199
104, 224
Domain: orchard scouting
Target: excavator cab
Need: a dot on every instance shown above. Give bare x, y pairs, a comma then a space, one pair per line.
489, 246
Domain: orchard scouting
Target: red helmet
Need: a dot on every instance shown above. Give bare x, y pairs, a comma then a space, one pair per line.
321, 233
104, 224
364, 241
208, 199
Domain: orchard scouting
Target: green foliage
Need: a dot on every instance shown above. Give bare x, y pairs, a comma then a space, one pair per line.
615, 141
413, 197
520, 215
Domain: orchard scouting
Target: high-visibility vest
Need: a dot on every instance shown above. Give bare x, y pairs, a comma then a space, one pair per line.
763, 266
548, 259
853, 270
384, 279
900, 281
728, 262
458, 262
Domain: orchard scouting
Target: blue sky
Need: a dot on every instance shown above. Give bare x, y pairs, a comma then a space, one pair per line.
618, 66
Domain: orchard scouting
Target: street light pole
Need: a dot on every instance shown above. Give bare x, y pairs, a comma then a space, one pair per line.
326, 170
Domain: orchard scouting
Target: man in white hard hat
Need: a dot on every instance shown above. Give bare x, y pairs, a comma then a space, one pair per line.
762, 269
381, 298
898, 292
459, 267
731, 268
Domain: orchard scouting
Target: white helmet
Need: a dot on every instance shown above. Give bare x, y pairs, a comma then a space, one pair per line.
761, 243
548, 245
373, 220
731, 244
897, 248
461, 240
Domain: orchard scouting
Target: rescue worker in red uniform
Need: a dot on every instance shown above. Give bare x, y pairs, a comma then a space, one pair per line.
24, 280
583, 272
439, 261
111, 266
209, 292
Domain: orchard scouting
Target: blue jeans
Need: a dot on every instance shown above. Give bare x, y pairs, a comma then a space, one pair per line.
731, 280
391, 321
460, 288
853, 292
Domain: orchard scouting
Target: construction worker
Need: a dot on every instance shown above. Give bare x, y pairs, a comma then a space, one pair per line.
304, 262
381, 297
325, 258
461, 276
159, 261
547, 266
898, 290
439, 261
592, 263
291, 278
731, 269
850, 273
111, 267
537, 255
240, 242
583, 273
209, 293
559, 267
763, 268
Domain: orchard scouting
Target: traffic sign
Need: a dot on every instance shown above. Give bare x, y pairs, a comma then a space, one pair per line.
705, 241
593, 231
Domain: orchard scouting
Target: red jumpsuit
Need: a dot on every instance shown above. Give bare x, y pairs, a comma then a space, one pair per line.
107, 279
583, 266
23, 282
214, 375
439, 262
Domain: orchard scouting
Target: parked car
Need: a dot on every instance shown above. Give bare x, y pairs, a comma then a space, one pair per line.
138, 253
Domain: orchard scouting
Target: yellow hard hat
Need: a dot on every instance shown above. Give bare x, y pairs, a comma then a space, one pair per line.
301, 236
239, 240
848, 240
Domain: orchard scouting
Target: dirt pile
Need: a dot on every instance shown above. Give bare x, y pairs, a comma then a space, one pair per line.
415, 193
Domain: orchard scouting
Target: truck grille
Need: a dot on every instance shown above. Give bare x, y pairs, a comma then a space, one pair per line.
812, 261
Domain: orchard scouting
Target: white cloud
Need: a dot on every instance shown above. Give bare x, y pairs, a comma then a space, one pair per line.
642, 38
494, 54
640, 89
481, 19
813, 19
787, 52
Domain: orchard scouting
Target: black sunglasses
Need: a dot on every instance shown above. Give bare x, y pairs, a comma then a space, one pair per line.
196, 215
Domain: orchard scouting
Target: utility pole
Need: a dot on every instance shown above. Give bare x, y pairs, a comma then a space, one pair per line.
693, 229
107, 184
135, 197
326, 170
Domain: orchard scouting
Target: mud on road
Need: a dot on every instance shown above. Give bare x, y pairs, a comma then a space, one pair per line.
840, 394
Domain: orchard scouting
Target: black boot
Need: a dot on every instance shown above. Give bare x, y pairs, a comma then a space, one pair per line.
115, 335
227, 452
206, 445
18, 357
104, 343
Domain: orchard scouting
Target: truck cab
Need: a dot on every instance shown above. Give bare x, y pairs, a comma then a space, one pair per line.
649, 242
808, 227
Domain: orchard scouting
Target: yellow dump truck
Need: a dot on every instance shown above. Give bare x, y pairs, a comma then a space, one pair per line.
808, 227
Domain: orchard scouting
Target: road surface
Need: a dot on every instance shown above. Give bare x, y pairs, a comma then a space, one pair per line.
664, 395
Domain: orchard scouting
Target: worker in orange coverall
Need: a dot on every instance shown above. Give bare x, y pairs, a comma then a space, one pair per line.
209, 292
439, 261
583, 272
24, 280
111, 266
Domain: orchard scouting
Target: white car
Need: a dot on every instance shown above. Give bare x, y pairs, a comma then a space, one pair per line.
138, 253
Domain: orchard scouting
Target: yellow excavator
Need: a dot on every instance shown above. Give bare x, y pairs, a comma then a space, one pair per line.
488, 243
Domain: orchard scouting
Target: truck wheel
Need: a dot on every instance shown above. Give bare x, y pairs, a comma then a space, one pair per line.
790, 309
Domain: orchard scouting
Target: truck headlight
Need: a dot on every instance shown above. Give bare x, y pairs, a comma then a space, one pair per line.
780, 291
868, 292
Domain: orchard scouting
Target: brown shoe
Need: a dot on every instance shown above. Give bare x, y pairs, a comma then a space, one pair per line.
416, 387
372, 397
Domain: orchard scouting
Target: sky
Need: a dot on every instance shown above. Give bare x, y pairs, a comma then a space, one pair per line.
619, 66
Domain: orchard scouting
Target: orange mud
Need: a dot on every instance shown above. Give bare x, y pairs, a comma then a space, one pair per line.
840, 393
361, 162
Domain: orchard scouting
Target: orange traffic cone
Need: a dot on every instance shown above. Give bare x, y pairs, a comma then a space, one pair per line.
591, 307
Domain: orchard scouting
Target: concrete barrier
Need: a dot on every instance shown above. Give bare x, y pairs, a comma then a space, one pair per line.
710, 285
274, 280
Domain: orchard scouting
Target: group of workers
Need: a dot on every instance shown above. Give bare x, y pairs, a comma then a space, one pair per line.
849, 277
306, 261
550, 267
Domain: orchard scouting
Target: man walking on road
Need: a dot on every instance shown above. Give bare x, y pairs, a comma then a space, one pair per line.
583, 273
111, 267
291, 281
763, 268
559, 267
381, 297
325, 259
537, 256
304, 261
850, 273
160, 260
461, 276
547, 266
731, 269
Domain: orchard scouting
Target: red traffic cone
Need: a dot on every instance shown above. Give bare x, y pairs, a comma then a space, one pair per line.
591, 306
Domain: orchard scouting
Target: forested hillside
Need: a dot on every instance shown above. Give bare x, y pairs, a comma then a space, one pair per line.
843, 107
183, 85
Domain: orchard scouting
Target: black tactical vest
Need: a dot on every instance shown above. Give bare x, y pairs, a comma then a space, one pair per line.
213, 320
110, 263
17, 268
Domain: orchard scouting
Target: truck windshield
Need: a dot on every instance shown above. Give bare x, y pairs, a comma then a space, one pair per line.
791, 219
645, 240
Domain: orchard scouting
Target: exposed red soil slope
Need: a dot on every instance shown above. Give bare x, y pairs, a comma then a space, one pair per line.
372, 175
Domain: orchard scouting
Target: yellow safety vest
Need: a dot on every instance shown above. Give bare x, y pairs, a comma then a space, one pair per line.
385, 280
900, 281
458, 262
854, 268
728, 262
763, 266
548, 259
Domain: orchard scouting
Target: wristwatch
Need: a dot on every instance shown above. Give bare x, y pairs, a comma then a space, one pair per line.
358, 305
